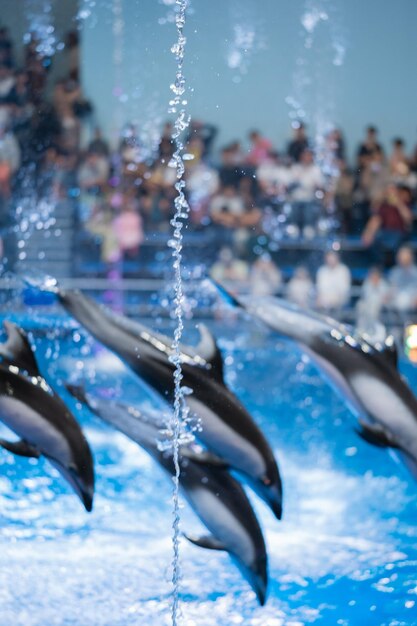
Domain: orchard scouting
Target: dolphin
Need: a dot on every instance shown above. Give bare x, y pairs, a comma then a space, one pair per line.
227, 428
38, 416
365, 375
217, 498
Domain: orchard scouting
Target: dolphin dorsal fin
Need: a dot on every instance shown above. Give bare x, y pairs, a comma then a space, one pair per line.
210, 352
388, 351
18, 351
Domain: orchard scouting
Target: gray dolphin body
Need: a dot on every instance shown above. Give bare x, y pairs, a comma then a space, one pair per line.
216, 497
227, 428
32, 410
366, 375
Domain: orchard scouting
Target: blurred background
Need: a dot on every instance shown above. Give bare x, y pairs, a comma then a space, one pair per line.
301, 154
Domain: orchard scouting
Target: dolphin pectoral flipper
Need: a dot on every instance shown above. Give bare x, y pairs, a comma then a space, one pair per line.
206, 541
20, 448
376, 435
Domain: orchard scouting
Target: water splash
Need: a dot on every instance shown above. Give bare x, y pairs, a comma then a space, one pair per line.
41, 28
246, 40
177, 424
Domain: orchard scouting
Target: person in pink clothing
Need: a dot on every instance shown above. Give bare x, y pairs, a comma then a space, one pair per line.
260, 149
128, 228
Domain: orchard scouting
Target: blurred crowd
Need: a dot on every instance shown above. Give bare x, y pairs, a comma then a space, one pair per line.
305, 190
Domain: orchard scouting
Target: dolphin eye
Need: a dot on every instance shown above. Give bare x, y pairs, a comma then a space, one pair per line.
266, 481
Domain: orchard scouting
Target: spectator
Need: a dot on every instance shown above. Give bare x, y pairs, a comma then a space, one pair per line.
205, 134
7, 83
128, 228
98, 145
402, 281
344, 196
229, 210
299, 143
202, 182
229, 268
265, 278
369, 146
300, 288
6, 48
307, 182
336, 144
273, 177
9, 160
92, 179
391, 221
374, 292
230, 171
398, 161
260, 149
333, 283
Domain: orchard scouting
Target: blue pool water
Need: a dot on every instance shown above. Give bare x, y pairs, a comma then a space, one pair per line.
345, 552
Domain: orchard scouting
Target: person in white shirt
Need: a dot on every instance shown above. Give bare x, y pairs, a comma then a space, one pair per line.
306, 182
273, 177
333, 282
300, 288
265, 278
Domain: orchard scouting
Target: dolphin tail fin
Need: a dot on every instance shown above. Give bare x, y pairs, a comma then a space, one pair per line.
20, 448
17, 350
226, 295
206, 541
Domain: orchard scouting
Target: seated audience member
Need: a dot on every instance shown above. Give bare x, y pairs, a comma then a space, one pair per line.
391, 221
98, 144
229, 268
202, 182
264, 278
9, 160
7, 83
259, 150
344, 196
335, 144
333, 283
100, 224
374, 292
205, 134
373, 177
273, 177
127, 226
402, 280
368, 147
368, 325
306, 181
398, 161
299, 143
300, 288
236, 214
6, 47
92, 179
93, 172
231, 160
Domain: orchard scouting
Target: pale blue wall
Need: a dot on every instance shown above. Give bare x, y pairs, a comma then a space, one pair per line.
376, 83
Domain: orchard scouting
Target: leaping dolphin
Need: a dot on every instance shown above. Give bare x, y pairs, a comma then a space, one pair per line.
216, 497
31, 409
227, 427
367, 376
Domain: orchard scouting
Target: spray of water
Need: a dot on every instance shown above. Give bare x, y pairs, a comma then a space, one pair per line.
180, 416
